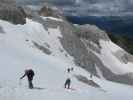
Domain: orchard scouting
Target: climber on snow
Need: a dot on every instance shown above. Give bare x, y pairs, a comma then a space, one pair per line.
67, 83
30, 74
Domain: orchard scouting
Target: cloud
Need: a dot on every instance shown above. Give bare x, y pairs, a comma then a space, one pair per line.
61, 2
82, 7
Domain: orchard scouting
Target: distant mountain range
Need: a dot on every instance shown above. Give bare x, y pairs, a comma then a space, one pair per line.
111, 24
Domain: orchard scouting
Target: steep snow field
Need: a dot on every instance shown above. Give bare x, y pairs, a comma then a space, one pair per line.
108, 56
17, 52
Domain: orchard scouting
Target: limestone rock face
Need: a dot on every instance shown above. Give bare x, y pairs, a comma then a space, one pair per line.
10, 12
7, 1
47, 11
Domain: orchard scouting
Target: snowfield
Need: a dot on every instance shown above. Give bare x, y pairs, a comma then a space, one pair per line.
52, 18
111, 61
17, 53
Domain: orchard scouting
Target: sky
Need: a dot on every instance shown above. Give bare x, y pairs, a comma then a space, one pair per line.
89, 7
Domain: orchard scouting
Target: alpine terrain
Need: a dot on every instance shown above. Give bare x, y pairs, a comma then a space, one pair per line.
43, 40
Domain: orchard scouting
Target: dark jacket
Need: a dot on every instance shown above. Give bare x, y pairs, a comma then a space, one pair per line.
29, 73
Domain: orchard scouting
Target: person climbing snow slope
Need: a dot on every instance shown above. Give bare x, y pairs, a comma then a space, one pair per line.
30, 74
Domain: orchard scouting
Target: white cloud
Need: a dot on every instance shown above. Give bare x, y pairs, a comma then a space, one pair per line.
89, 6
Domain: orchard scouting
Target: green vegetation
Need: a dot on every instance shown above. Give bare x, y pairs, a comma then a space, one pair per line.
123, 41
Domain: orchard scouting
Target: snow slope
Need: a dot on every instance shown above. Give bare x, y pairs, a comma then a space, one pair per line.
111, 61
17, 52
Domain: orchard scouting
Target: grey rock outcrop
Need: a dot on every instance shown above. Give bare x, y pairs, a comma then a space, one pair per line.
10, 12
88, 82
91, 32
42, 48
48, 11
1, 30
11, 2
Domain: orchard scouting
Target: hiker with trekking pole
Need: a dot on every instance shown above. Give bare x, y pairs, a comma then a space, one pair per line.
30, 74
